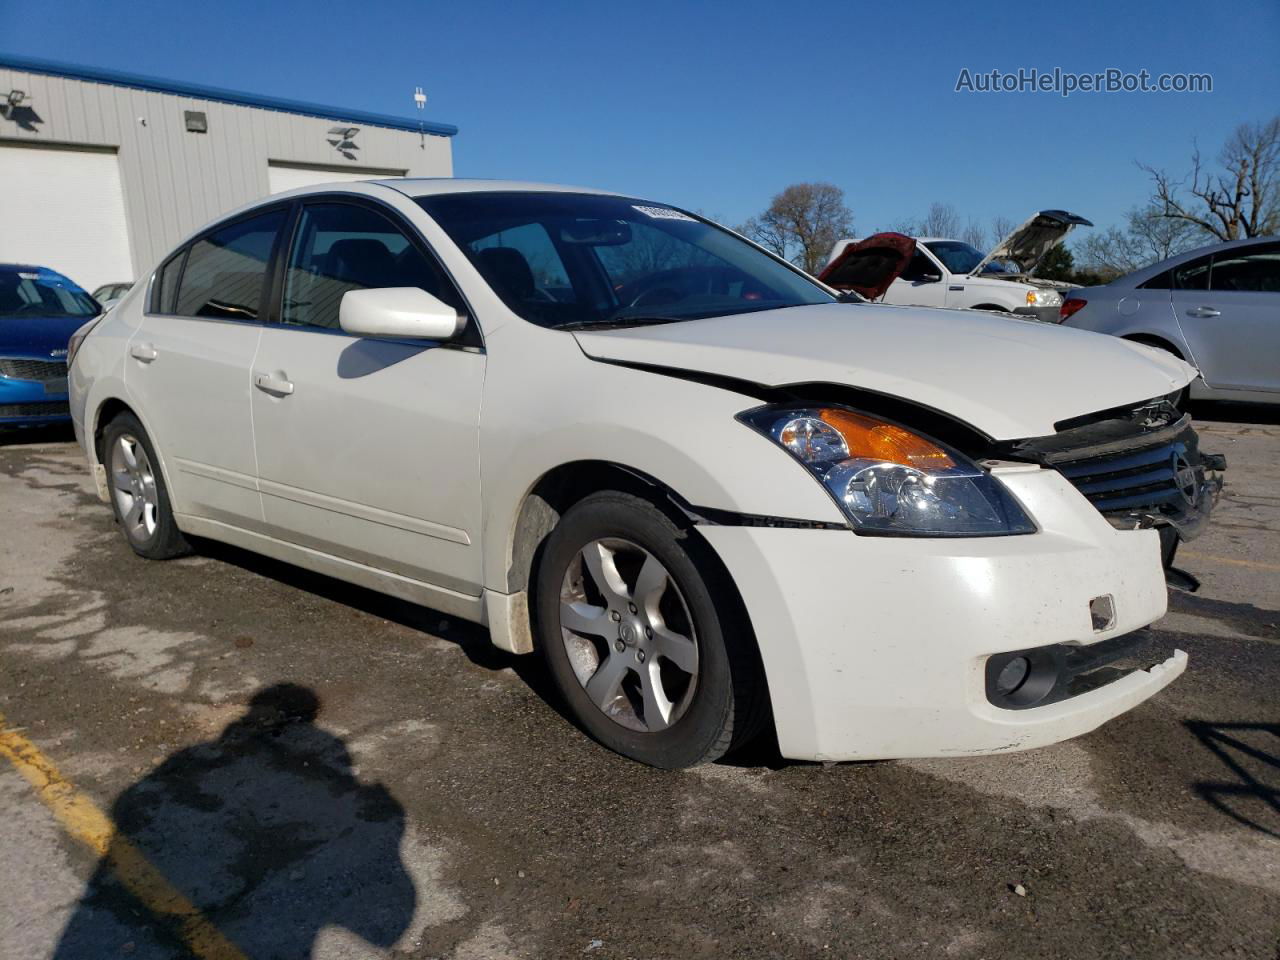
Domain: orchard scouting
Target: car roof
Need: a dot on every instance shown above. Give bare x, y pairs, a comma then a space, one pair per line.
430, 186
1146, 273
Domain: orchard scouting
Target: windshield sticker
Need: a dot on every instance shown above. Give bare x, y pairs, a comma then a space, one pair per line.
662, 213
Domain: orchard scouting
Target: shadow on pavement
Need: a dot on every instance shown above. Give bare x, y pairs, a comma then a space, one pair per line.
472, 639
265, 830
1247, 618
1222, 412
1250, 752
23, 436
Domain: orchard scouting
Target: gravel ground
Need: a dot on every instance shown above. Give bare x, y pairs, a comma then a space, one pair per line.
328, 773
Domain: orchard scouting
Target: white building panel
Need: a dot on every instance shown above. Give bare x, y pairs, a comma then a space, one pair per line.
64, 209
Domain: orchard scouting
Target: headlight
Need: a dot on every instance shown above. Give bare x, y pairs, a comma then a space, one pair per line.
1044, 298
890, 480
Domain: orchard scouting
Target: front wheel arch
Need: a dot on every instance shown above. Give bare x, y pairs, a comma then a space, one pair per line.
1151, 340
742, 675
559, 489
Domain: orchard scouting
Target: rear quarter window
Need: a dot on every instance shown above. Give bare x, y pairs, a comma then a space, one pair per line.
166, 289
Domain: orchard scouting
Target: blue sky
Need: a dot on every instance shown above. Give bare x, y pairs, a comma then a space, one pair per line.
717, 106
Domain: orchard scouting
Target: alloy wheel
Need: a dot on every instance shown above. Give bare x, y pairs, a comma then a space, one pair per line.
133, 484
628, 634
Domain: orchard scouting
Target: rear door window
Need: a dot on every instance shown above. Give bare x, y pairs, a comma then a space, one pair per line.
226, 270
1193, 275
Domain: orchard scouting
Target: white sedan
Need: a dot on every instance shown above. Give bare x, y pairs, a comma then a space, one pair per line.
713, 496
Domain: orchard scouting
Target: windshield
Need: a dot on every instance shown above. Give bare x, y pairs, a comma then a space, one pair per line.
572, 260
38, 292
959, 257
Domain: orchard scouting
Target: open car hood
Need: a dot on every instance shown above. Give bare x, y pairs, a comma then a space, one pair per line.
1010, 379
867, 267
1027, 245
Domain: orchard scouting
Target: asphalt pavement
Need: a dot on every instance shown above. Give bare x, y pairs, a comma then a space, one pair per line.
227, 756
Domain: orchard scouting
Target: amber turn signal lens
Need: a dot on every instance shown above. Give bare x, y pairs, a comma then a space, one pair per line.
872, 439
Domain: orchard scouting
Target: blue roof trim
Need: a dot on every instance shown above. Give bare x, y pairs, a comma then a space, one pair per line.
98, 75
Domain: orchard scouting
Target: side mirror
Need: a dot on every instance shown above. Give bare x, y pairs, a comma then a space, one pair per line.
930, 277
398, 312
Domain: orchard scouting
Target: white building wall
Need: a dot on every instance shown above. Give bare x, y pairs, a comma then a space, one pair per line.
175, 181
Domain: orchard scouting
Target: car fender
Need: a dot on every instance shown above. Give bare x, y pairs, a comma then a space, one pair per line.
681, 433
1000, 293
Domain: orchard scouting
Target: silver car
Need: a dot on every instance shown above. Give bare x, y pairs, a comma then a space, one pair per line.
1217, 307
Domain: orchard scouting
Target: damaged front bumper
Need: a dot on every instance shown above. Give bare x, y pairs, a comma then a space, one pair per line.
878, 647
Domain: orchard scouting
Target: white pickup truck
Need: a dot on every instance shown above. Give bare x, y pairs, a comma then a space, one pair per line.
937, 272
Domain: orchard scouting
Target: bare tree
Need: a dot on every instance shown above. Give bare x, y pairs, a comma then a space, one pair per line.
905, 226
974, 234
1241, 199
1147, 237
803, 223
942, 220
1001, 227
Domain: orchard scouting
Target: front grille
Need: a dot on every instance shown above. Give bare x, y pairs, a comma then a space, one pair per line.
1154, 479
21, 368
34, 410
1140, 468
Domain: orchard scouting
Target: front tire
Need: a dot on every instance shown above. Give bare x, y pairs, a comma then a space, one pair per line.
649, 660
139, 498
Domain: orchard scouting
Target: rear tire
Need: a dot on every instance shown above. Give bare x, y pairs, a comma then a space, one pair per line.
139, 498
651, 663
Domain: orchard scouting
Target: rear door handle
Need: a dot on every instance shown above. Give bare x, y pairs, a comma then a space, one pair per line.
143, 351
1203, 312
277, 386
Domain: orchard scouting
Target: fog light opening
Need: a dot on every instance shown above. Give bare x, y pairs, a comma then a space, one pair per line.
1102, 613
1013, 675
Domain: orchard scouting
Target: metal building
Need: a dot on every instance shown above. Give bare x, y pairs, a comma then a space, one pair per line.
101, 173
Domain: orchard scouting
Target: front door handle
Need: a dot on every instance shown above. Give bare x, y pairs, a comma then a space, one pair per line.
275, 385
1203, 312
143, 351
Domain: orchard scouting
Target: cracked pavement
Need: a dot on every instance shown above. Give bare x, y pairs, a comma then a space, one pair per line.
328, 773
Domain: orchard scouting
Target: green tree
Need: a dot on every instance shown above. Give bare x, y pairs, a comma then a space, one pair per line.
1057, 264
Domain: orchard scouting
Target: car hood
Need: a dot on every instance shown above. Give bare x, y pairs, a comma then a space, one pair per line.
1027, 245
868, 267
1009, 378
38, 336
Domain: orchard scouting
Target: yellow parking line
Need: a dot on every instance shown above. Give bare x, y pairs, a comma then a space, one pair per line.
81, 818
1232, 561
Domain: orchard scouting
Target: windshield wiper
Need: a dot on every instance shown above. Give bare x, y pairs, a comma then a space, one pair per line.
616, 322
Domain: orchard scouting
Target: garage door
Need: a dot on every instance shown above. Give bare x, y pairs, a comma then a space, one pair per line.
284, 176
64, 209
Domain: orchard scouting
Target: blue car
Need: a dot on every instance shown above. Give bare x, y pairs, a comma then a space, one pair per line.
39, 310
